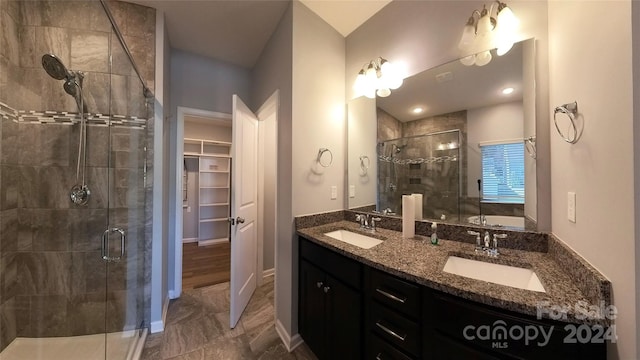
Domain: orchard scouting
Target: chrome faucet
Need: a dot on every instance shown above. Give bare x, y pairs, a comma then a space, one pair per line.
494, 249
367, 222
363, 219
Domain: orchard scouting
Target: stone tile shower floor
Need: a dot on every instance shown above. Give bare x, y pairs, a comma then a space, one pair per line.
198, 329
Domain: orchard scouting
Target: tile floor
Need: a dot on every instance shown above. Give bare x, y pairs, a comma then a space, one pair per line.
198, 329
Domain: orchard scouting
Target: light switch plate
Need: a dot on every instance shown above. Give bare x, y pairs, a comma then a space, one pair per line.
352, 191
571, 206
334, 192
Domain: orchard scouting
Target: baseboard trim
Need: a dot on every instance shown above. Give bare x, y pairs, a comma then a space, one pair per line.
289, 342
269, 272
158, 326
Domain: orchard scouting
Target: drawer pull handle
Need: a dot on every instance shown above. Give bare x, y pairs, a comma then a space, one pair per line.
391, 332
391, 296
379, 356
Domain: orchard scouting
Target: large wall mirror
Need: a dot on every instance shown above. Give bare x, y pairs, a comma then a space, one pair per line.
461, 136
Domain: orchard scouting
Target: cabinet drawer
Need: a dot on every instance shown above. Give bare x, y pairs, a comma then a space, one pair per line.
381, 350
396, 293
347, 270
444, 348
460, 320
395, 328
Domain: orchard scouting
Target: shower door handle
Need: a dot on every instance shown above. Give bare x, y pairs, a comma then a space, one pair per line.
105, 245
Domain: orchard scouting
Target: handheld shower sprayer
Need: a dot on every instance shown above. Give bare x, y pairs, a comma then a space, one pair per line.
73, 86
481, 218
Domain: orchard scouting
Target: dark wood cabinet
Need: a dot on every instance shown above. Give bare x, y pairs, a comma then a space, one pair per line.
393, 316
453, 326
330, 310
351, 311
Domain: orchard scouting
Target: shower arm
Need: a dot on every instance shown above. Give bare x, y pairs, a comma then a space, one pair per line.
147, 92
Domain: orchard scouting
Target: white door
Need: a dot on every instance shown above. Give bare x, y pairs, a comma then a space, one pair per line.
244, 208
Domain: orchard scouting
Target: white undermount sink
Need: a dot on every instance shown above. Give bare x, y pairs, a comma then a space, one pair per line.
359, 240
494, 273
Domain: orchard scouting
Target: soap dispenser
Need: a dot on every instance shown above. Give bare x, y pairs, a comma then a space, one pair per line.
434, 234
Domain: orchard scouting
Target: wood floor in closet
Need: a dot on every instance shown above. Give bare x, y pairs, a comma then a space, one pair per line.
205, 265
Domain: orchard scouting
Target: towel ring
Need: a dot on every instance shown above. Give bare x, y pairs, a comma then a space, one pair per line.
320, 156
530, 145
365, 162
570, 109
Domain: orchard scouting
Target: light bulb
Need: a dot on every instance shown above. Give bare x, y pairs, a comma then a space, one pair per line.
383, 92
483, 58
395, 82
370, 93
359, 87
504, 48
468, 60
484, 25
507, 20
468, 35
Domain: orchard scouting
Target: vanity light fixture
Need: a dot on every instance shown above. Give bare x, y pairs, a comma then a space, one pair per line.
378, 77
487, 32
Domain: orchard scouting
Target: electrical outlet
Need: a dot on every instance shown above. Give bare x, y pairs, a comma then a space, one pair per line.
571, 206
334, 192
352, 191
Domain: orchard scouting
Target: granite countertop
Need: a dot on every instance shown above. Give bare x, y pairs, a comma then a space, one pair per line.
419, 261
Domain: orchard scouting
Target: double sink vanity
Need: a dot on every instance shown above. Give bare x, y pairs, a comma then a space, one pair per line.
375, 295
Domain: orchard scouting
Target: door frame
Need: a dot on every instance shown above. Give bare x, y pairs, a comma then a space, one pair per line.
175, 271
174, 256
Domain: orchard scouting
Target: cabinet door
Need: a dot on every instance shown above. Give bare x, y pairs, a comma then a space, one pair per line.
344, 321
312, 309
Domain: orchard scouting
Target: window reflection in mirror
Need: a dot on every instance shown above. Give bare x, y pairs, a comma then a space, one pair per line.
414, 154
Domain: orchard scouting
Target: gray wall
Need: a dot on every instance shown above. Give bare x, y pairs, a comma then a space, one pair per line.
273, 72
206, 84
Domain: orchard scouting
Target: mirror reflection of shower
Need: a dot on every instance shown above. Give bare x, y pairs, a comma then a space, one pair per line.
73, 86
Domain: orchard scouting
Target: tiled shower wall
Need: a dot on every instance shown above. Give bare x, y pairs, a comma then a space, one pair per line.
441, 183
52, 279
439, 187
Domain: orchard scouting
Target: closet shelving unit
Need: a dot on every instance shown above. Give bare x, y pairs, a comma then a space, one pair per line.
214, 185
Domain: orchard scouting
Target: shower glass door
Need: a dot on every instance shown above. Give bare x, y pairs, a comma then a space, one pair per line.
125, 234
426, 164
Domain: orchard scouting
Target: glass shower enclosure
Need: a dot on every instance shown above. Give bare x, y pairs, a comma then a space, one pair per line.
74, 259
426, 164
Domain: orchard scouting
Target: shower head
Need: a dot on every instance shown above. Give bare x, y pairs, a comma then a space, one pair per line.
72, 79
397, 148
55, 68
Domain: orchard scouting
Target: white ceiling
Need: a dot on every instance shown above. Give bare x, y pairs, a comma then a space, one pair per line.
236, 31
470, 87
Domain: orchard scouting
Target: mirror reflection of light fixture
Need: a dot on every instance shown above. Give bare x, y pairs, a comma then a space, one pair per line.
378, 77
486, 32
448, 146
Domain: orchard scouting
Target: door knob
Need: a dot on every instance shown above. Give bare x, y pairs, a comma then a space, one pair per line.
240, 220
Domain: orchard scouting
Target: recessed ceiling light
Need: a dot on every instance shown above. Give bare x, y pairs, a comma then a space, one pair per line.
417, 110
507, 91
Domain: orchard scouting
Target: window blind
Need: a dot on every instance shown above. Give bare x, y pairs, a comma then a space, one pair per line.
503, 172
